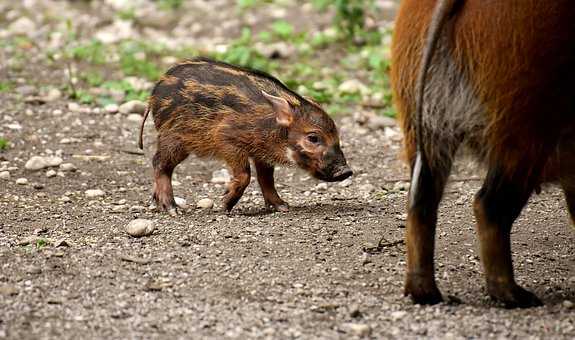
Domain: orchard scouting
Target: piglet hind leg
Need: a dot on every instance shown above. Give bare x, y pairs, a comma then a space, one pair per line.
167, 157
240, 168
497, 204
265, 173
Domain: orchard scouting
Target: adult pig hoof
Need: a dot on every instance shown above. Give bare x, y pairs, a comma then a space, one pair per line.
514, 296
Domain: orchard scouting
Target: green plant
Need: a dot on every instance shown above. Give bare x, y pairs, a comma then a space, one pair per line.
245, 4
5, 86
3, 143
241, 52
134, 59
282, 29
170, 4
349, 16
41, 243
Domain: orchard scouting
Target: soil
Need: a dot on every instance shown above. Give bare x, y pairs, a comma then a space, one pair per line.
314, 272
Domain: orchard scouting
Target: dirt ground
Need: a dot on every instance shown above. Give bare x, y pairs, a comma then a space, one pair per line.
314, 272
330, 268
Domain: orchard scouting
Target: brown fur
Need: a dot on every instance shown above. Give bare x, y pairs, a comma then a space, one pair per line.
213, 109
499, 80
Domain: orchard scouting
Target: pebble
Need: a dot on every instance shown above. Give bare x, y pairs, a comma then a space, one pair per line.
205, 203
52, 95
137, 208
134, 117
358, 329
5, 175
352, 86
91, 193
8, 290
74, 107
140, 227
376, 122
111, 108
321, 187
401, 186
65, 199
221, 176
345, 183
22, 25
22, 181
26, 90
39, 162
68, 167
38, 186
181, 202
568, 304
133, 106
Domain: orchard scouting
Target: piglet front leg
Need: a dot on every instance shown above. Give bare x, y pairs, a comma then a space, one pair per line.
265, 173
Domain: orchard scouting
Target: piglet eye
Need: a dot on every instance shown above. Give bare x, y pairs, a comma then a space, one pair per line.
314, 139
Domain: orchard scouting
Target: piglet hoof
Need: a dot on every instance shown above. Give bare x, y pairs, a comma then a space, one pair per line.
174, 212
279, 205
421, 291
513, 296
282, 208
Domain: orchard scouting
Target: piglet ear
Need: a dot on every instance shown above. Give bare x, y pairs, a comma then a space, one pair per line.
284, 113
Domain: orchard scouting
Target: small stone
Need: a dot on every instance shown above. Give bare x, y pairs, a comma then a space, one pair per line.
321, 187
401, 186
111, 108
8, 290
26, 90
358, 329
92, 193
38, 162
74, 107
5, 175
352, 86
134, 117
52, 95
22, 181
205, 203
137, 208
22, 25
345, 183
68, 167
221, 176
140, 227
180, 202
376, 122
118, 208
34, 270
38, 186
568, 304
133, 106
65, 199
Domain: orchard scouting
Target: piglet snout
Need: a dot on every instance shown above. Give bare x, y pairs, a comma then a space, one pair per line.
342, 173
